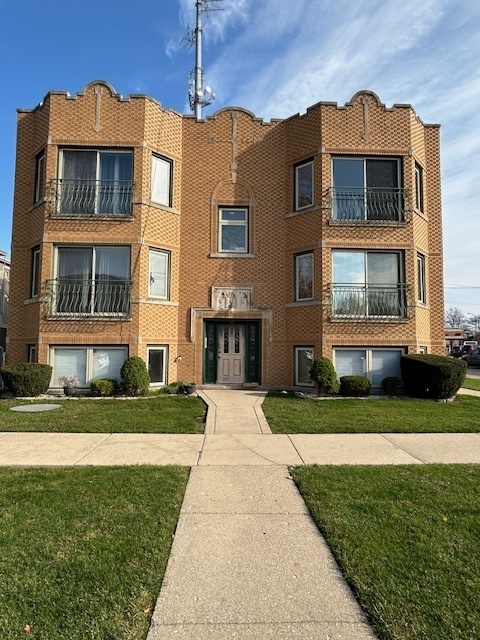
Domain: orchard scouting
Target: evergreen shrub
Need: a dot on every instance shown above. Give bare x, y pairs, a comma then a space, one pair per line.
355, 386
103, 387
27, 379
323, 374
431, 376
135, 377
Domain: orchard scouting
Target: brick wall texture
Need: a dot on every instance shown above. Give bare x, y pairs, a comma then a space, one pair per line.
231, 159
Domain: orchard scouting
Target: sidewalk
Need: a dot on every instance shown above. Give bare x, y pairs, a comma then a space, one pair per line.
247, 560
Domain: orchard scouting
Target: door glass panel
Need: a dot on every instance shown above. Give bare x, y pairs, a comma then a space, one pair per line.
237, 340
382, 173
383, 268
156, 365
348, 182
225, 341
303, 365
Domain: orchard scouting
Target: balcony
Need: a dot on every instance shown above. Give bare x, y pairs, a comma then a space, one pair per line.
91, 198
370, 302
73, 299
368, 205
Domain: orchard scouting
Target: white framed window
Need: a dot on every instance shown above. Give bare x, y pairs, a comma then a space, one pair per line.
159, 274
157, 361
303, 361
421, 282
423, 350
91, 280
39, 177
233, 230
87, 363
368, 284
95, 182
35, 272
372, 363
304, 185
418, 187
161, 185
304, 277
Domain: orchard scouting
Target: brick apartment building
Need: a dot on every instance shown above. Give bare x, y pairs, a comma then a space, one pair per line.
227, 250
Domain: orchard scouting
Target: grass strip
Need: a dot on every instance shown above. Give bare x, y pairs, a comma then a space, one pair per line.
472, 383
287, 413
159, 414
408, 541
84, 550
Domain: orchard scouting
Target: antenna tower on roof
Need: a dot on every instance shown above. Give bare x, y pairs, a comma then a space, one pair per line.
199, 95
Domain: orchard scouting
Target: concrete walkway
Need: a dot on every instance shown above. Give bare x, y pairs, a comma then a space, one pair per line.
247, 562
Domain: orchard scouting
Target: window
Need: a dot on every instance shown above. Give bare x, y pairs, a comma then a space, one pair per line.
423, 350
87, 363
92, 281
35, 272
233, 230
303, 361
304, 185
368, 284
31, 353
366, 189
159, 274
157, 364
418, 187
161, 180
39, 177
374, 364
304, 277
421, 287
95, 182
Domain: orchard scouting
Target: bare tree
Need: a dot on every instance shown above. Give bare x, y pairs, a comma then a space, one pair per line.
454, 318
474, 325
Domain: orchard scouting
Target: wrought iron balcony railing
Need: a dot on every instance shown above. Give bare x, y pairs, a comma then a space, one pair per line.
356, 204
90, 198
72, 298
377, 302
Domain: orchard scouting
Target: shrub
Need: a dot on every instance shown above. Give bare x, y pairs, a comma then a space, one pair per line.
430, 376
135, 377
324, 377
27, 379
391, 385
355, 386
103, 387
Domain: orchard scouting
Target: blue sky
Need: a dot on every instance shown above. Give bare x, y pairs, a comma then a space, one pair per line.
275, 58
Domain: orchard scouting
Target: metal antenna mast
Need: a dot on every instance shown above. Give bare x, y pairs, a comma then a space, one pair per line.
199, 95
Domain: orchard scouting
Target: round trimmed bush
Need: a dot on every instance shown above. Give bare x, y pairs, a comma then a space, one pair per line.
135, 377
391, 385
355, 386
27, 379
103, 387
432, 376
322, 372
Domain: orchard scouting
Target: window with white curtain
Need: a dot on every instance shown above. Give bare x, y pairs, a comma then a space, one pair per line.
87, 363
372, 363
92, 279
159, 274
161, 180
96, 181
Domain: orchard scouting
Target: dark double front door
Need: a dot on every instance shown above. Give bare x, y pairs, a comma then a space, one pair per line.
231, 352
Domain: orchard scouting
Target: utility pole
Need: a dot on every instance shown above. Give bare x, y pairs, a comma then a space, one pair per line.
199, 95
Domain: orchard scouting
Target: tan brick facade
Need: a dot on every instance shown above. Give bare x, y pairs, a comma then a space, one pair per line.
235, 162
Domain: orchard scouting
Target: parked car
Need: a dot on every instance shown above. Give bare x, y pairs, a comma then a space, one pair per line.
466, 349
473, 358
456, 352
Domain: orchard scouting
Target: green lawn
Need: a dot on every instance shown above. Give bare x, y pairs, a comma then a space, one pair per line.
472, 383
408, 541
159, 414
286, 413
83, 551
